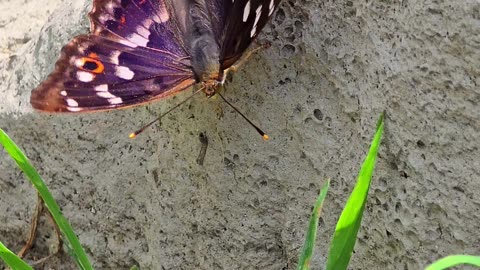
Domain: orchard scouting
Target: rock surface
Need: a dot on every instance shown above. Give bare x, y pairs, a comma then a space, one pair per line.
333, 67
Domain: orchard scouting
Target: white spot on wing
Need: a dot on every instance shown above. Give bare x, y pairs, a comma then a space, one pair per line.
63, 93
143, 30
114, 57
161, 16
138, 39
107, 95
102, 91
124, 72
271, 7
101, 88
104, 17
142, 33
84, 76
163, 12
127, 43
74, 109
246, 11
71, 102
114, 101
147, 23
258, 14
78, 62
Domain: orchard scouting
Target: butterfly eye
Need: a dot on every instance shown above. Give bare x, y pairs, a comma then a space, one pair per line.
90, 64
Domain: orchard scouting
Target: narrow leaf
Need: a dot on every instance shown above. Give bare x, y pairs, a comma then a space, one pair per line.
12, 260
307, 252
454, 260
348, 225
69, 236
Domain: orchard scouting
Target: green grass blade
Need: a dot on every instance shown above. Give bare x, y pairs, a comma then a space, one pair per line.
304, 261
348, 225
69, 236
12, 260
454, 260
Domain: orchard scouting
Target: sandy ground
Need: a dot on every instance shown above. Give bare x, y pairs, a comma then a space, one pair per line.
332, 68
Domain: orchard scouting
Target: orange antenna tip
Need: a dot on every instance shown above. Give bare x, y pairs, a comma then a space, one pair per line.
132, 135
265, 137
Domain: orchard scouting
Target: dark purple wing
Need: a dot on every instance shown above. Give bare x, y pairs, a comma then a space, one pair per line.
147, 23
133, 56
239, 22
96, 73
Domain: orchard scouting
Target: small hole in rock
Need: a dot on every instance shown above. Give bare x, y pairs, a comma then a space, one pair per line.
318, 114
288, 50
420, 144
280, 16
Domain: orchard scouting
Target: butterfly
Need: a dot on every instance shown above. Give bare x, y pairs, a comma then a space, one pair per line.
139, 51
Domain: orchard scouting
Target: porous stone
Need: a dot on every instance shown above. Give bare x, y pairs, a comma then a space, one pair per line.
333, 67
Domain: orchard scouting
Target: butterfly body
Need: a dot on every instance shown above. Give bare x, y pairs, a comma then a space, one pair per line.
203, 47
139, 51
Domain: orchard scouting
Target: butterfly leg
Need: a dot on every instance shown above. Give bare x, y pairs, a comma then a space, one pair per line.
246, 56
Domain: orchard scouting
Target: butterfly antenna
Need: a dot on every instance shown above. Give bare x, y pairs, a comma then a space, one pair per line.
136, 133
264, 136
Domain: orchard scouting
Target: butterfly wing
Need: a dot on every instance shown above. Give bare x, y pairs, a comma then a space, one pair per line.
96, 73
147, 23
240, 23
133, 55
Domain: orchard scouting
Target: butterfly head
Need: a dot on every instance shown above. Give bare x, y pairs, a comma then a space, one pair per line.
211, 86
212, 81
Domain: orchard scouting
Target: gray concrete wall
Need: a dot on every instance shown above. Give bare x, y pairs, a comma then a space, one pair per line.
333, 67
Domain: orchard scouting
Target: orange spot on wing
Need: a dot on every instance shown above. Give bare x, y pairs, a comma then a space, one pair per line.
123, 20
100, 68
97, 67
